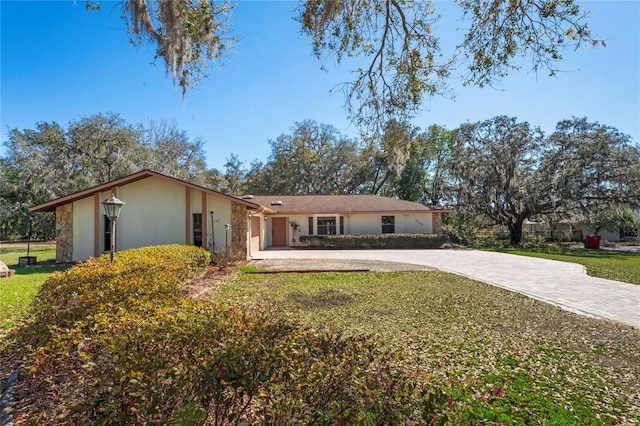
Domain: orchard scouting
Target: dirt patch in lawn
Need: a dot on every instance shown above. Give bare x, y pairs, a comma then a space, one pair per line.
203, 286
328, 265
326, 300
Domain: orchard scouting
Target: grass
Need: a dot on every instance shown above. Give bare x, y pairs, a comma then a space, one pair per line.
612, 265
504, 358
10, 252
17, 293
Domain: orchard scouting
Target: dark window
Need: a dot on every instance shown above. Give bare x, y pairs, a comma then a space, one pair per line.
326, 226
197, 229
341, 225
388, 224
107, 233
311, 225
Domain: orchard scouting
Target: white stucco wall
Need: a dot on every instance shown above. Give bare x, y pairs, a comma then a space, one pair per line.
83, 229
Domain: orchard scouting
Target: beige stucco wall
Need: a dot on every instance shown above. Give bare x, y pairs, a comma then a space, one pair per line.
364, 224
414, 223
83, 229
405, 223
154, 214
222, 215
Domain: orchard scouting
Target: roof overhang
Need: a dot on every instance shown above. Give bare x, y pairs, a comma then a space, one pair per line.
51, 206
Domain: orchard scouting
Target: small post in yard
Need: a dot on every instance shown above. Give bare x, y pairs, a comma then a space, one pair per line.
226, 235
28, 259
112, 207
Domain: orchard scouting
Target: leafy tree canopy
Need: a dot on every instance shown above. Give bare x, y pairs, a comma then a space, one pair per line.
52, 161
509, 172
395, 43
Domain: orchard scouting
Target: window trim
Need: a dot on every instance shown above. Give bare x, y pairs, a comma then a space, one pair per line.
332, 226
388, 224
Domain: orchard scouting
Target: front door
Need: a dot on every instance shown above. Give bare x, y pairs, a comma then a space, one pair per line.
279, 231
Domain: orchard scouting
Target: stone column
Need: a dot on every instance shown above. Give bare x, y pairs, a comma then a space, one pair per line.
239, 230
437, 223
64, 233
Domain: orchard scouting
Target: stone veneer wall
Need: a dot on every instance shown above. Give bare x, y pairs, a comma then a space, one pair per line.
64, 233
239, 230
437, 223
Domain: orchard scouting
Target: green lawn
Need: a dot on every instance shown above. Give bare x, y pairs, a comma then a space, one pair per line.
10, 252
503, 357
16, 293
613, 265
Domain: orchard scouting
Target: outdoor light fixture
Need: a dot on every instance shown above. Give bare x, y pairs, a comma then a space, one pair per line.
112, 207
226, 234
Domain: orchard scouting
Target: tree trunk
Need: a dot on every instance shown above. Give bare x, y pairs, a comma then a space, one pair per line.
515, 232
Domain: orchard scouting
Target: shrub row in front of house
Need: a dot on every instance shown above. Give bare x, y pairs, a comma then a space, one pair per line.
382, 241
121, 344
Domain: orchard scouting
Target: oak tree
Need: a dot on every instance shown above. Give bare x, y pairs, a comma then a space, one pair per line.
393, 43
497, 165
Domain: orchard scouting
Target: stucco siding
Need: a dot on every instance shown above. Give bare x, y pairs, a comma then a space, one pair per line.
83, 228
151, 220
221, 215
303, 221
363, 224
367, 224
414, 223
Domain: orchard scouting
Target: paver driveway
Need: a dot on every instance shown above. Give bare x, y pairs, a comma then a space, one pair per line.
560, 283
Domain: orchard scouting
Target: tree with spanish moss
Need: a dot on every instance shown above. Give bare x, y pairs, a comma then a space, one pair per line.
394, 44
497, 167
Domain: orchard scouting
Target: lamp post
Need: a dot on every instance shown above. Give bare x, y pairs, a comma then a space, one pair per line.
226, 235
112, 206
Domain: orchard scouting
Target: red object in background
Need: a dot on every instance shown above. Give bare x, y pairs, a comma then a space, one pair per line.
592, 241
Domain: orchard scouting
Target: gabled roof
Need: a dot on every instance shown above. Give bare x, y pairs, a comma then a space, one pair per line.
50, 206
340, 204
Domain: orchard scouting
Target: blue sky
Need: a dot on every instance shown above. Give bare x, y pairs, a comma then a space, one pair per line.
59, 62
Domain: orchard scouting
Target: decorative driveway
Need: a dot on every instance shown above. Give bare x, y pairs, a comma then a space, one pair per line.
563, 284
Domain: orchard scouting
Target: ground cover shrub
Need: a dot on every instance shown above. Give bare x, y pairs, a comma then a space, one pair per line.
225, 257
136, 277
122, 344
380, 241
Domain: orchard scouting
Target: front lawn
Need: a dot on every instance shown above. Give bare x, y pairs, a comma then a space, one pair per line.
504, 358
17, 293
609, 264
10, 252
